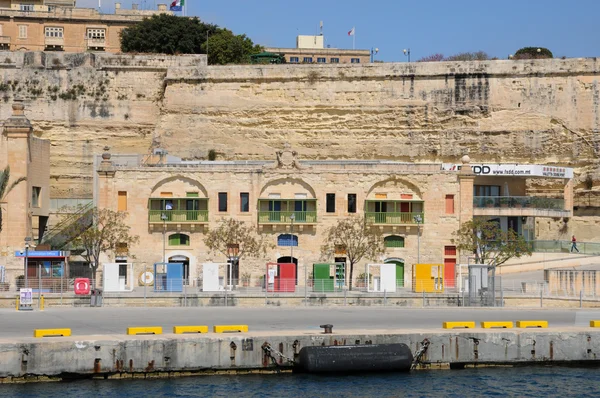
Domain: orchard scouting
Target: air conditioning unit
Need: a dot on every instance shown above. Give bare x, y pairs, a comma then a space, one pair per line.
159, 151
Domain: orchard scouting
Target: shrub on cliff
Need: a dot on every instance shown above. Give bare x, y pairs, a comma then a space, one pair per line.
533, 53
432, 58
476, 56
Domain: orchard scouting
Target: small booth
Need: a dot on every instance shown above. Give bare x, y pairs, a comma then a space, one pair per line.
281, 277
168, 277
211, 281
384, 277
117, 277
47, 270
428, 278
327, 277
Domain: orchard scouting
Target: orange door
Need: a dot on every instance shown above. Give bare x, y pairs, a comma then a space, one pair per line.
450, 272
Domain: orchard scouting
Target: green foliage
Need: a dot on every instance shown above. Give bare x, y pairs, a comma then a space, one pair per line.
226, 48
490, 245
167, 34
533, 53
234, 232
212, 155
5, 187
358, 239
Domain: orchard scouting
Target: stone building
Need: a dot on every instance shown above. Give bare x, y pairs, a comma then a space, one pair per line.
58, 25
172, 203
312, 50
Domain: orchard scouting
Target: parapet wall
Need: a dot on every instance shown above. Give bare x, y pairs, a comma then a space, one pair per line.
539, 111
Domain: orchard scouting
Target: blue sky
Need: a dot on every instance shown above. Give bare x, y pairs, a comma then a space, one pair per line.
567, 28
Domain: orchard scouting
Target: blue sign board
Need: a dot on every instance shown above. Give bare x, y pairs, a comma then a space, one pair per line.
47, 253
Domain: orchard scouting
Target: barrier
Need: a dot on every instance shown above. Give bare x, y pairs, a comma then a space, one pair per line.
532, 324
190, 329
452, 325
595, 324
230, 328
496, 324
144, 330
51, 332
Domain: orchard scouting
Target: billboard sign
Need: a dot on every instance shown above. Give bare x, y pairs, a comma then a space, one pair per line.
514, 170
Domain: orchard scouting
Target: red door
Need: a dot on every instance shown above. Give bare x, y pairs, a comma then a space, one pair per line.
450, 272
286, 278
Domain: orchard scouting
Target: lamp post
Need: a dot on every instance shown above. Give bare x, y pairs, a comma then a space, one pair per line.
407, 53
373, 52
163, 217
418, 220
27, 240
233, 249
292, 218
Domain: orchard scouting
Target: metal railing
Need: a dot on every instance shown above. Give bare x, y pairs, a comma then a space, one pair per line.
517, 202
175, 216
394, 218
284, 217
565, 246
63, 232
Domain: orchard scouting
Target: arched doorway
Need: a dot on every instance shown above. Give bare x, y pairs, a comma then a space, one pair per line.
288, 260
186, 266
399, 270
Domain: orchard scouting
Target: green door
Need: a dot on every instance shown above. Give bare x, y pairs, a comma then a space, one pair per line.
323, 281
399, 272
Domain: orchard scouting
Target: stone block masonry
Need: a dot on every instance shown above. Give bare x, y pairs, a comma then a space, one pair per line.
540, 111
120, 356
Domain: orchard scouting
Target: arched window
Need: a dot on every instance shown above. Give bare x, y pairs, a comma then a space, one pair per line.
287, 240
179, 240
394, 241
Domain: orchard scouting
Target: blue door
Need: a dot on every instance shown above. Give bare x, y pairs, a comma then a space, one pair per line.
174, 277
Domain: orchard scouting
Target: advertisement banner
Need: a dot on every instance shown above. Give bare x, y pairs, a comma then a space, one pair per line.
26, 296
513, 169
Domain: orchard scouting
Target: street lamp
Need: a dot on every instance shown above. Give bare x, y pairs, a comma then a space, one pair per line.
373, 52
292, 218
418, 220
233, 249
407, 53
163, 217
27, 240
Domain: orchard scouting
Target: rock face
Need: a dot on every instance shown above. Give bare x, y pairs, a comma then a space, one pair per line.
540, 111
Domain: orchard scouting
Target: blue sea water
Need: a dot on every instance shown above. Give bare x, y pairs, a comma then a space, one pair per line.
484, 382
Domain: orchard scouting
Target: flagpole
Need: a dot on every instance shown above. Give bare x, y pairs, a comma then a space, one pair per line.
354, 38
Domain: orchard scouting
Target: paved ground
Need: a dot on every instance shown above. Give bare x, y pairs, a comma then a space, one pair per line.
86, 321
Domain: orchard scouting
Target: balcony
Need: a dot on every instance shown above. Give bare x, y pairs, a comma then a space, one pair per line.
95, 43
394, 218
519, 206
178, 211
54, 41
4, 40
274, 212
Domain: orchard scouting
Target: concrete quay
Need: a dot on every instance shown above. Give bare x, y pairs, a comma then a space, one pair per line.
170, 355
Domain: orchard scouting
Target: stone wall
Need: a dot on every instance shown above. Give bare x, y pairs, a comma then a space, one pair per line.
538, 111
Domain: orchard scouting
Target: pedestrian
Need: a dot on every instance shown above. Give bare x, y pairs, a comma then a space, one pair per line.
574, 244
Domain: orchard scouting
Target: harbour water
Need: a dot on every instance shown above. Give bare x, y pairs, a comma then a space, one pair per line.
504, 382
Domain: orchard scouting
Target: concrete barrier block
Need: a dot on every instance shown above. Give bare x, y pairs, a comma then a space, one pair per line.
532, 324
452, 325
144, 330
230, 328
496, 324
190, 329
595, 324
51, 332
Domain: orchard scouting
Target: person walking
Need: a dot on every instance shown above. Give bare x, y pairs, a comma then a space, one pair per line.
574, 244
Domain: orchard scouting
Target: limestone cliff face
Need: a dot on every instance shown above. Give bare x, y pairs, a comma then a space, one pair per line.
543, 111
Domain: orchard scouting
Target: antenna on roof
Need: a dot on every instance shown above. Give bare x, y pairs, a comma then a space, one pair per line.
321, 27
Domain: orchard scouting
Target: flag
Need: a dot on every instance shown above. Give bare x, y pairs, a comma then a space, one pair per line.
351, 33
177, 5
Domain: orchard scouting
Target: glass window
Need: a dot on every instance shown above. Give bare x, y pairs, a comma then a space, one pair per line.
486, 190
35, 196
179, 240
51, 31
394, 241
355, 60
330, 203
96, 33
351, 203
294, 60
307, 60
222, 201
287, 240
334, 60
26, 7
22, 31
321, 60
244, 202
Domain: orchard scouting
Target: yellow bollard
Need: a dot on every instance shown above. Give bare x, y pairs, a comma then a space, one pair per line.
17, 301
42, 303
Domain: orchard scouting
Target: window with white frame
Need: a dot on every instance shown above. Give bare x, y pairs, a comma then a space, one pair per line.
54, 31
26, 7
22, 31
355, 60
96, 33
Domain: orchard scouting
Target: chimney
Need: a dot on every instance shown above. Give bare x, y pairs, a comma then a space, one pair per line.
117, 6
162, 7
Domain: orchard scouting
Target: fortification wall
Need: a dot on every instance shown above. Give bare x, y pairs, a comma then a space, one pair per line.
542, 111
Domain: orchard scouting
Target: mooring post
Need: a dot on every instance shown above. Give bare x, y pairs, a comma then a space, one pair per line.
580, 298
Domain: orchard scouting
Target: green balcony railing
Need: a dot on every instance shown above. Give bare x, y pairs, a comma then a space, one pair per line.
390, 218
174, 216
516, 202
285, 217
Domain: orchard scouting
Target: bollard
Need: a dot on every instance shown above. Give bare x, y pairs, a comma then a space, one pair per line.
345, 296
581, 299
542, 298
423, 298
327, 328
385, 297
17, 301
42, 303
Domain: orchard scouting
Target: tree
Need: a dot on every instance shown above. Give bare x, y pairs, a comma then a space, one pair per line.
167, 34
490, 245
358, 240
234, 239
432, 58
533, 53
5, 188
469, 56
226, 48
108, 234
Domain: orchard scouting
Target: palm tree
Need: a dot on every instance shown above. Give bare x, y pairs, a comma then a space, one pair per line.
5, 188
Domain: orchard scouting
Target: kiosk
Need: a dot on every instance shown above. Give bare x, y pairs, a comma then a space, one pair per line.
281, 277
428, 278
211, 282
168, 277
328, 276
385, 281
117, 277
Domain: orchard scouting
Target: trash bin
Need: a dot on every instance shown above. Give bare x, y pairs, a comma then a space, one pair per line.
99, 298
96, 298
93, 298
